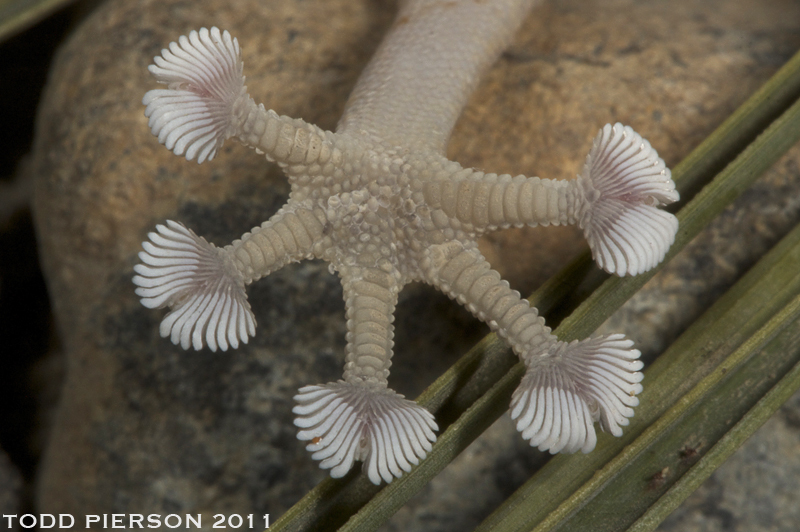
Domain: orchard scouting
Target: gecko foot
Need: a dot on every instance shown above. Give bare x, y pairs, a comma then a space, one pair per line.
197, 113
623, 182
184, 271
347, 422
573, 385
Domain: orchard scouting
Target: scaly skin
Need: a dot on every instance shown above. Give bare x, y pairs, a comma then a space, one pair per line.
380, 202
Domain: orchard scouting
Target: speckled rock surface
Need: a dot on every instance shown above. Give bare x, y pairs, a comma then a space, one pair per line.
145, 427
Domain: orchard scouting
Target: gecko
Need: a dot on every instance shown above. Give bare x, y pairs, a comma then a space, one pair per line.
381, 203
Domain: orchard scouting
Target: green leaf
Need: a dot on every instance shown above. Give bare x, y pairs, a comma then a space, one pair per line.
569, 474
699, 387
18, 15
726, 445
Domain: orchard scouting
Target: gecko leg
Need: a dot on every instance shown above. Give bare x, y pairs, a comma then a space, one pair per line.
205, 285
615, 200
360, 417
567, 386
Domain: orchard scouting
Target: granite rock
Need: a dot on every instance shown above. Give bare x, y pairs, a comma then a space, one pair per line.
143, 426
